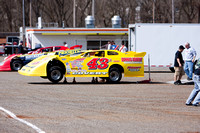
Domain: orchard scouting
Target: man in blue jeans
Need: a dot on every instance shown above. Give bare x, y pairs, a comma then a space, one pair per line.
194, 97
190, 55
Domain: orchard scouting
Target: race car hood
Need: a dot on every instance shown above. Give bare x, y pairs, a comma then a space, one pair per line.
38, 66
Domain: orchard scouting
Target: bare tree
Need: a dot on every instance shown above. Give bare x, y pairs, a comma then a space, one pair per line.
186, 11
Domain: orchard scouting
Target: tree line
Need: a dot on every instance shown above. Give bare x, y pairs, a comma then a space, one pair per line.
130, 11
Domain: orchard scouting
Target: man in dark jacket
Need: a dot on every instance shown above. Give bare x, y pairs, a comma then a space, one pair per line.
20, 48
178, 66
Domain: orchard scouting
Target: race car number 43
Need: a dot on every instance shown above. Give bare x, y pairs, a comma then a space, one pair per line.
98, 63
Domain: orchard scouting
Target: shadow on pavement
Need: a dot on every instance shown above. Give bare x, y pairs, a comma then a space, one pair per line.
90, 83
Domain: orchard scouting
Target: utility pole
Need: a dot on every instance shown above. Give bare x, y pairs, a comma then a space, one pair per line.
93, 10
153, 11
23, 31
74, 14
30, 13
172, 11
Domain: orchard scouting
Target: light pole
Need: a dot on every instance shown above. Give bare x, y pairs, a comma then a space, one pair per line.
74, 14
93, 10
172, 11
30, 13
23, 31
154, 11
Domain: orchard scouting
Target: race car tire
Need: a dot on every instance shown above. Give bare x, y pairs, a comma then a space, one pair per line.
16, 65
55, 74
114, 75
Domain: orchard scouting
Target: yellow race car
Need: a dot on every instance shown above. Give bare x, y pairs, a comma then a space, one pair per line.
106, 64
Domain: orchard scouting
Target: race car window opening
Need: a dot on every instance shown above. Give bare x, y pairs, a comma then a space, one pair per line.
86, 55
47, 50
112, 53
100, 54
57, 48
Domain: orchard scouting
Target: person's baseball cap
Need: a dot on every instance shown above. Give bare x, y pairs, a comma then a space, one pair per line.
181, 47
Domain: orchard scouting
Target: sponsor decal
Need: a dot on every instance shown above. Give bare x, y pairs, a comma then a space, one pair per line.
77, 62
79, 71
68, 68
74, 68
134, 60
35, 63
29, 66
34, 56
89, 73
115, 60
134, 69
68, 52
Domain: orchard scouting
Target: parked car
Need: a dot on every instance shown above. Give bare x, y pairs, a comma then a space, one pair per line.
48, 49
107, 64
2, 51
15, 62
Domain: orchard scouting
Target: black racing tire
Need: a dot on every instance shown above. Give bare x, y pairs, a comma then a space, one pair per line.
114, 75
16, 65
55, 74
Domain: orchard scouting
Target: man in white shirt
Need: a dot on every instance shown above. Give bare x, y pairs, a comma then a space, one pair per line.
65, 44
123, 48
190, 55
106, 46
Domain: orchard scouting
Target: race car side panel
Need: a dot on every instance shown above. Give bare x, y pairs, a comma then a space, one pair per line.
87, 67
37, 67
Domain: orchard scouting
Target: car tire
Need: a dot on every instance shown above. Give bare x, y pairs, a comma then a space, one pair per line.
55, 74
114, 75
16, 65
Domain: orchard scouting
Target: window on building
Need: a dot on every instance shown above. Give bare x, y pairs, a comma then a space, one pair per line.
93, 45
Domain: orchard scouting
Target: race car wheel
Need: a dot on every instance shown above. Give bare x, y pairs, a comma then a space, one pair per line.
16, 65
55, 74
114, 75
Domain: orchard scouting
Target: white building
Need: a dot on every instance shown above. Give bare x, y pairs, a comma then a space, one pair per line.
90, 38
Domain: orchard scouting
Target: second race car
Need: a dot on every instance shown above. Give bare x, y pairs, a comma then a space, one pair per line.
15, 62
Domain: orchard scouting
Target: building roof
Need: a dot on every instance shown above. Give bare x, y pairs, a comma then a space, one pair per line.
80, 31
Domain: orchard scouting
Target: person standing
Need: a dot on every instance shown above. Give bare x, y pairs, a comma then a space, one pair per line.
113, 46
194, 97
65, 44
123, 48
20, 48
106, 46
178, 66
190, 55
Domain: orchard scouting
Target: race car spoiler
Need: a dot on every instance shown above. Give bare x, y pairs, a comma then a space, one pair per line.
68, 52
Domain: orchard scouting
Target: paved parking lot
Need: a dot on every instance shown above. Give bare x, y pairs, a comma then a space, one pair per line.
95, 108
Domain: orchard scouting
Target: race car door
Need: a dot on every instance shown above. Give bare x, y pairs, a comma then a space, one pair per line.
94, 65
